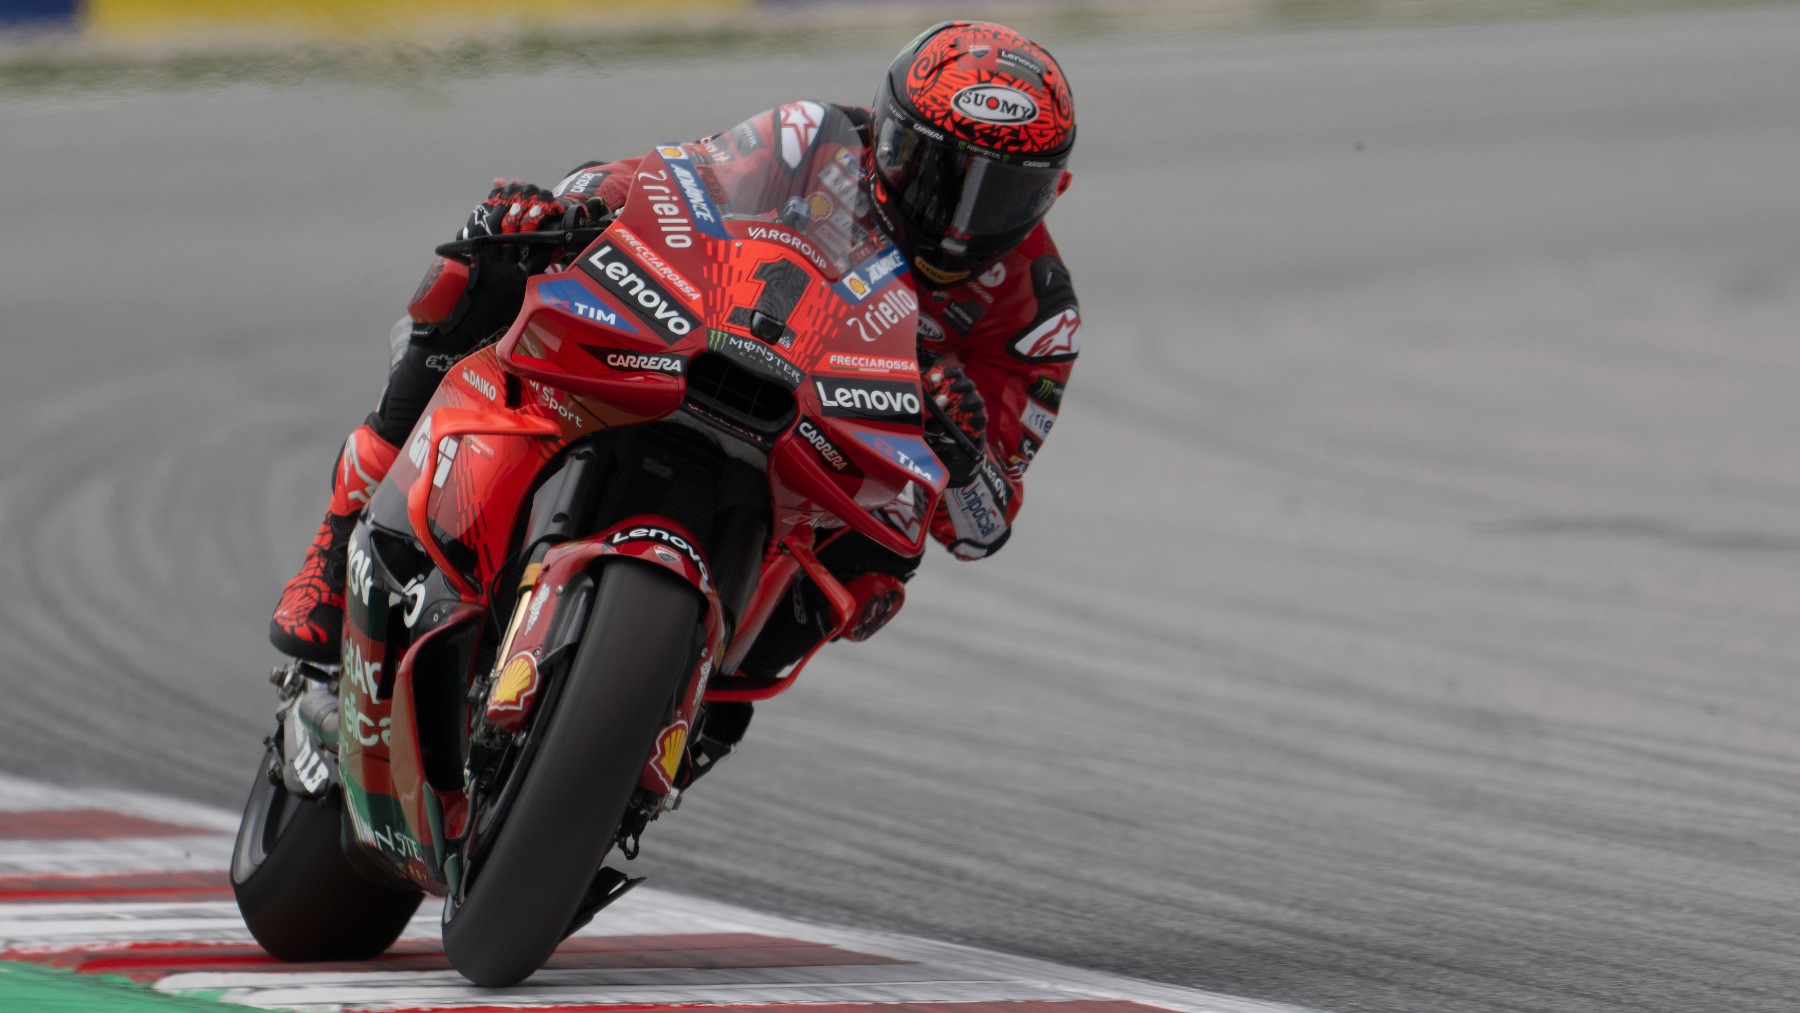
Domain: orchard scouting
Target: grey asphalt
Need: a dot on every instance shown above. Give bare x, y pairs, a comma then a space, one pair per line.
1404, 615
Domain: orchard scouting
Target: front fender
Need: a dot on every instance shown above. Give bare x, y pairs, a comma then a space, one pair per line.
551, 613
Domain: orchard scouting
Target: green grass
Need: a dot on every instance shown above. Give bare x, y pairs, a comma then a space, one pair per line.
46, 990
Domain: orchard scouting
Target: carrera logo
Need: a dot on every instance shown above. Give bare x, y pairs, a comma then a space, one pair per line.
626, 358
870, 399
832, 455
995, 103
648, 299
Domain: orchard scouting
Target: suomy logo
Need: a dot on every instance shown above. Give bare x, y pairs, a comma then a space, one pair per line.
994, 103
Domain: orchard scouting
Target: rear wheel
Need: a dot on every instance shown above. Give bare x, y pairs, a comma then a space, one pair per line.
298, 892
592, 745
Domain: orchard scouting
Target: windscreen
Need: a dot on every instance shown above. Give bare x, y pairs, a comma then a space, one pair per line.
799, 166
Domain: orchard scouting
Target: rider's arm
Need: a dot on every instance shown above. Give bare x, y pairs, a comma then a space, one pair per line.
1020, 355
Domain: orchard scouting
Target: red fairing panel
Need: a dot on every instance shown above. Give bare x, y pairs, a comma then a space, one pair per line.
1016, 329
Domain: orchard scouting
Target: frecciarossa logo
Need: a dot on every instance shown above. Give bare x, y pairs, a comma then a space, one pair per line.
623, 277
869, 399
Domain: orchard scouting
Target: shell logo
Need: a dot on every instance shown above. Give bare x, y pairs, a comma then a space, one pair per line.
670, 747
518, 683
857, 286
671, 151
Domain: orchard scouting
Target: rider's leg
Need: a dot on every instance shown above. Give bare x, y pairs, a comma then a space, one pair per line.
454, 310
872, 574
308, 620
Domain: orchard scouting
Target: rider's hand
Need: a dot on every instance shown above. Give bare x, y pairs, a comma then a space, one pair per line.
957, 433
512, 208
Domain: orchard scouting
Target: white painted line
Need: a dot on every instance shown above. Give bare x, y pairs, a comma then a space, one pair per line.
926, 971
94, 858
20, 793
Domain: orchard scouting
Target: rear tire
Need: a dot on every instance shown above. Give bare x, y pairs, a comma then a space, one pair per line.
299, 895
632, 661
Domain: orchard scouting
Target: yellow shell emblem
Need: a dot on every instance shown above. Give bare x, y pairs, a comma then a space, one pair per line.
516, 684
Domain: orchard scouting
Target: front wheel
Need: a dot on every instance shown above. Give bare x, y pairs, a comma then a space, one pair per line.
299, 895
523, 892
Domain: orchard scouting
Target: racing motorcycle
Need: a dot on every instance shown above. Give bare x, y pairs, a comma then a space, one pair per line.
592, 521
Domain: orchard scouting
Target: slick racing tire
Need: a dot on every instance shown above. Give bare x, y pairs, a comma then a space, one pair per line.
594, 743
299, 894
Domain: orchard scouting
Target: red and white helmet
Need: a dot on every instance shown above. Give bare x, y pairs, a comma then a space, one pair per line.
972, 131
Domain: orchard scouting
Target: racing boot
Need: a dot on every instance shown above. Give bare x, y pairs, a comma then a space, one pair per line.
309, 620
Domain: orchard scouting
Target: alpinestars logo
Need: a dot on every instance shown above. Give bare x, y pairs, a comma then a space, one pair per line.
994, 103
619, 275
870, 399
1054, 340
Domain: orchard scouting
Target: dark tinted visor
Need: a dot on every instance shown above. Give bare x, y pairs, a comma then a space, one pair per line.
945, 193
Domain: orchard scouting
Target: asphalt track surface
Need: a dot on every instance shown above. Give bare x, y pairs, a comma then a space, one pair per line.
1404, 614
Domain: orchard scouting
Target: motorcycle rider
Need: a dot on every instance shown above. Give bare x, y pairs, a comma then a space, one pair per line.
969, 139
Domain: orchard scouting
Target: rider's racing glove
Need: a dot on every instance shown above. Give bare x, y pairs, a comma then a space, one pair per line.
957, 428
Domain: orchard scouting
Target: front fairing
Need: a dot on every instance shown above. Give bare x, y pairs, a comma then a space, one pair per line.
761, 301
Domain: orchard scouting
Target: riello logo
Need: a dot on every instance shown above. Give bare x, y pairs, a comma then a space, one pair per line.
995, 103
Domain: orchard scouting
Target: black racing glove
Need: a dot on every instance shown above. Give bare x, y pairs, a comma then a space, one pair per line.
955, 422
513, 207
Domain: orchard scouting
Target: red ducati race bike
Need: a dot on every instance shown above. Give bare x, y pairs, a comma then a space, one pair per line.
590, 525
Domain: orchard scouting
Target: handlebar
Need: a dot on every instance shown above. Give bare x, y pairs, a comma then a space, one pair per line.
576, 238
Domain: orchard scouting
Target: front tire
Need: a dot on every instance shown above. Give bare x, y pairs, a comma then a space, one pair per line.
299, 895
633, 659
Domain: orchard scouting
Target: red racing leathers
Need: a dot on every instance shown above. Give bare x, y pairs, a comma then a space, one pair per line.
1014, 328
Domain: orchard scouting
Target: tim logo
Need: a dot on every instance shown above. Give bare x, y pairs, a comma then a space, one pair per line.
994, 103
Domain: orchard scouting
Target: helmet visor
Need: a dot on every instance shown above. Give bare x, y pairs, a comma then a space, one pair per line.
949, 196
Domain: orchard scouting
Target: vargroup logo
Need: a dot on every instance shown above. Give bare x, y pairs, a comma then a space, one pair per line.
995, 103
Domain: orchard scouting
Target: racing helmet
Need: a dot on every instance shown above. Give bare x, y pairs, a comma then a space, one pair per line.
971, 132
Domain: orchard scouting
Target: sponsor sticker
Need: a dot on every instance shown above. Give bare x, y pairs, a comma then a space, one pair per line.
872, 363
1037, 420
930, 331
655, 262
572, 297
867, 277
635, 287
671, 745
994, 103
879, 315
1055, 340
756, 355
908, 452
663, 536
879, 400
695, 195
632, 360
517, 684
799, 126
815, 437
